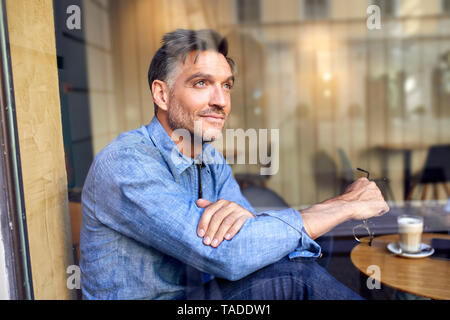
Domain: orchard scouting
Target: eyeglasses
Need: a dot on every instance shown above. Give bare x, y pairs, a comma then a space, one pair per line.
362, 232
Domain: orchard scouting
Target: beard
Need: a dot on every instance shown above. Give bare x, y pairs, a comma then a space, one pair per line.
180, 118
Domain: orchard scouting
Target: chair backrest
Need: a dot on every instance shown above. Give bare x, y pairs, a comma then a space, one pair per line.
325, 171
347, 169
262, 198
437, 165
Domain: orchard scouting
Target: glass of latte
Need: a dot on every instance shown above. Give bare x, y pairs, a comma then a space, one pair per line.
410, 230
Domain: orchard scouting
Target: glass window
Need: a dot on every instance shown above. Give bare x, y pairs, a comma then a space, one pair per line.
340, 95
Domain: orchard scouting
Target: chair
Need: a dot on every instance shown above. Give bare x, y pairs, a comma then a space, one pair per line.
436, 171
263, 198
325, 173
347, 177
249, 179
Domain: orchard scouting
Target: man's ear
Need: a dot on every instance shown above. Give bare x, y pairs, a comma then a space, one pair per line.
160, 93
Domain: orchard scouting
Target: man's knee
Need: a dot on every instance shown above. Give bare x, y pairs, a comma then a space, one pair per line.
311, 280
304, 268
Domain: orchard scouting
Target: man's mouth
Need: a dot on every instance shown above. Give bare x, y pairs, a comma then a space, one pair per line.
213, 117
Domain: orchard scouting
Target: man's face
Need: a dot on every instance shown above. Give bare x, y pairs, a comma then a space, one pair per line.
201, 92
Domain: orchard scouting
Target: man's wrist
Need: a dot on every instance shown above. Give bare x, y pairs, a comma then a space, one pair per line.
343, 205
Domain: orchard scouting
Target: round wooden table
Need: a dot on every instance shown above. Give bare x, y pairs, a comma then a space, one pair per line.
425, 277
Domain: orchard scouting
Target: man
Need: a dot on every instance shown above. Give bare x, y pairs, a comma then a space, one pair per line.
161, 222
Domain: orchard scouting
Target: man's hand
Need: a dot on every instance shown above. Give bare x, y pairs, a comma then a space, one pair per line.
366, 199
361, 200
220, 220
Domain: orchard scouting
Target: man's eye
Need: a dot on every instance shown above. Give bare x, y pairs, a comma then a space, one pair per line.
200, 83
228, 86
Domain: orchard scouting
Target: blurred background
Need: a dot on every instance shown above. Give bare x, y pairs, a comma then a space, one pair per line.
342, 96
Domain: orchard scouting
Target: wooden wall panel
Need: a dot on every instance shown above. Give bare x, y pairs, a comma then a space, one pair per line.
304, 116
145, 50
129, 68
34, 72
339, 82
273, 107
102, 97
358, 56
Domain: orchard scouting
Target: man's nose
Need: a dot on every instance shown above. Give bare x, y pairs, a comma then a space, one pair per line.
218, 97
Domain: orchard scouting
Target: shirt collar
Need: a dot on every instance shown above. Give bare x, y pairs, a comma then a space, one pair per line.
168, 147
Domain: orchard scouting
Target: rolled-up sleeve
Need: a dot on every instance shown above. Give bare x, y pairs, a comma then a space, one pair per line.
307, 247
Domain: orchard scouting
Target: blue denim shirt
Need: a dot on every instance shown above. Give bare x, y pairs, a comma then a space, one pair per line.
139, 226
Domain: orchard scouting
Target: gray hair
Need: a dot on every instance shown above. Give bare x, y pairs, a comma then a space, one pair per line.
177, 45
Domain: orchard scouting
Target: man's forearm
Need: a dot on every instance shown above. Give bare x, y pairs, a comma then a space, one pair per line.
322, 217
361, 200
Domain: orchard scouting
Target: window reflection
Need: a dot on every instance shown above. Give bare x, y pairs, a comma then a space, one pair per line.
309, 68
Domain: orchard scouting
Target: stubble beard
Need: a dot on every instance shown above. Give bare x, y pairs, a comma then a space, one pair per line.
179, 118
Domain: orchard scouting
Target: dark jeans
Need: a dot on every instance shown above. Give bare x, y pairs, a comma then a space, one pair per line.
286, 279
